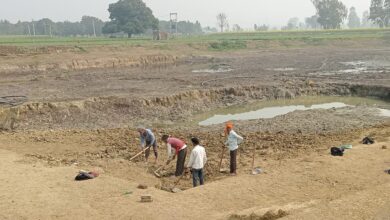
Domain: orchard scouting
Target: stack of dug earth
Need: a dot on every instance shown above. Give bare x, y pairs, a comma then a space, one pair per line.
146, 198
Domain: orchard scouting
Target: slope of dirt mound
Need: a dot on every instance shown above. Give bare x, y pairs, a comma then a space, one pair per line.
112, 112
97, 63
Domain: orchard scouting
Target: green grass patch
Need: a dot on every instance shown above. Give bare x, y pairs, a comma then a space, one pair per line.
227, 45
216, 42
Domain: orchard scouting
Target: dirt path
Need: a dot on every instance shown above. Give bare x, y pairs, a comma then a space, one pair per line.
350, 187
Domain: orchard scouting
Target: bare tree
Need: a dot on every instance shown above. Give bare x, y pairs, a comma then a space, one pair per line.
237, 28
222, 21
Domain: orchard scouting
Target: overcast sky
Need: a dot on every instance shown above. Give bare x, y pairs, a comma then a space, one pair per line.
242, 12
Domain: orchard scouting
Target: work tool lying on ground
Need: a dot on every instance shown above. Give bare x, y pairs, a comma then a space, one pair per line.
140, 153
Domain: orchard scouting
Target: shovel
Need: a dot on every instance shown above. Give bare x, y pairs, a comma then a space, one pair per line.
137, 155
156, 171
162, 167
174, 189
220, 161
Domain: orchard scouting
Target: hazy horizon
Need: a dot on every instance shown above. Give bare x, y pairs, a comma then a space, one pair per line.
246, 13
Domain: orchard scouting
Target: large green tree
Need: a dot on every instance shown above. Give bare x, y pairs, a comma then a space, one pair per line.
131, 17
331, 13
380, 12
353, 18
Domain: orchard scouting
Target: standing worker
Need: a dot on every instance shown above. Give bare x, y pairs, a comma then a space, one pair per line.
232, 143
180, 150
148, 140
197, 161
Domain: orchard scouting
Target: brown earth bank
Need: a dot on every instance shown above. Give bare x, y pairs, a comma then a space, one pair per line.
163, 111
190, 81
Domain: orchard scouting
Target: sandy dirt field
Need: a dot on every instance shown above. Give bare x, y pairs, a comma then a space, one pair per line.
78, 110
312, 186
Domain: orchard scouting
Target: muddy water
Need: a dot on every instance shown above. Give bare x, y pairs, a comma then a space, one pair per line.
271, 109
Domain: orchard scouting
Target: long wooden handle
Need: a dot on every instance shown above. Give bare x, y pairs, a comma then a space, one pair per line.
137, 155
178, 181
220, 162
160, 168
253, 158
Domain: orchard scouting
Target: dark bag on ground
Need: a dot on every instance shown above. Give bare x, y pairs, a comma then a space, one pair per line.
336, 151
85, 176
368, 140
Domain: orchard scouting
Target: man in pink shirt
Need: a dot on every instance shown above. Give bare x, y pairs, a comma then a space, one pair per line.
180, 149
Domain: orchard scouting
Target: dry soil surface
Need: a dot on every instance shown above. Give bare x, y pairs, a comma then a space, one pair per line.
312, 186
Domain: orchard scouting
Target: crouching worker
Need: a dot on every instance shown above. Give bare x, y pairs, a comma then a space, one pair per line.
197, 161
232, 143
180, 149
148, 140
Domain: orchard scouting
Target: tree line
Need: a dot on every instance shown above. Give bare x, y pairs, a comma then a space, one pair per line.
130, 17
133, 17
88, 26
330, 14
333, 14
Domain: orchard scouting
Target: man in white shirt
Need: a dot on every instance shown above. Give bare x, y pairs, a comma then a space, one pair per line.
197, 161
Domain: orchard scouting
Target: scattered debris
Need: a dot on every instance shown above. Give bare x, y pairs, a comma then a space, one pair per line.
257, 171
310, 83
368, 140
128, 193
142, 186
384, 147
146, 198
86, 175
224, 170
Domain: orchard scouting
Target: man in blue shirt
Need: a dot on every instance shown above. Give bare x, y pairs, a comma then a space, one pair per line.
148, 140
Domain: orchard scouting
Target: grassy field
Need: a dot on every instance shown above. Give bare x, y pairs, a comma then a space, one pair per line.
218, 41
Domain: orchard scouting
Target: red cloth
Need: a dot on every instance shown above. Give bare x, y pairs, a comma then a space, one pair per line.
176, 143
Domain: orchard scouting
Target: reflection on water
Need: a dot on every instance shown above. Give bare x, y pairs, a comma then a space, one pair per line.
271, 109
384, 112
